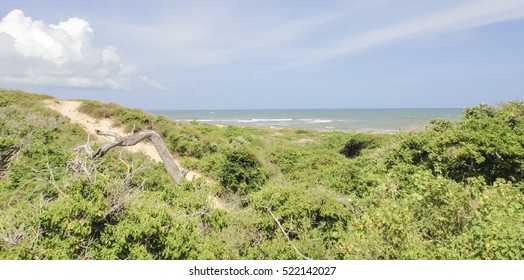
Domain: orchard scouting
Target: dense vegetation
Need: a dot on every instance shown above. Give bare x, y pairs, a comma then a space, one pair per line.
451, 191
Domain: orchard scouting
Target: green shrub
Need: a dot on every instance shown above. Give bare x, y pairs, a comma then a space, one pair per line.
487, 142
497, 229
129, 118
353, 147
314, 219
240, 171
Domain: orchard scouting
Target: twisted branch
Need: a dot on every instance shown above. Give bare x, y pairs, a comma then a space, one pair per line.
130, 140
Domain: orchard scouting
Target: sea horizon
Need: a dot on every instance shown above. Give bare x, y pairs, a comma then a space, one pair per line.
359, 119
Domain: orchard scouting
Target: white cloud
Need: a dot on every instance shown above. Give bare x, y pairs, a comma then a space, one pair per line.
152, 83
470, 15
62, 55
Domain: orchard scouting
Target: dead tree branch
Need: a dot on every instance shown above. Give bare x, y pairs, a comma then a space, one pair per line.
130, 140
52, 178
286, 234
12, 236
80, 163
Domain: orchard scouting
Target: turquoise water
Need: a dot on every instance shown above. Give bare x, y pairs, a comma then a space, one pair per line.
322, 119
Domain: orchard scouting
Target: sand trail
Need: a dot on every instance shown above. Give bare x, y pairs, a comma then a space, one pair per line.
70, 109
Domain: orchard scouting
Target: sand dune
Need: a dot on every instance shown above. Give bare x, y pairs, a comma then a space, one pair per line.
70, 109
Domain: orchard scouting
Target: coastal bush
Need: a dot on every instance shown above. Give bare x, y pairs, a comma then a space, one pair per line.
323, 165
353, 147
239, 171
487, 141
150, 230
191, 144
286, 159
99, 110
497, 229
313, 219
128, 118
21, 98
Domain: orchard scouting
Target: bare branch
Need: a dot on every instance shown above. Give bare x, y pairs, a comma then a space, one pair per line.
172, 168
13, 236
81, 163
86, 148
286, 234
52, 179
129, 173
119, 198
130, 140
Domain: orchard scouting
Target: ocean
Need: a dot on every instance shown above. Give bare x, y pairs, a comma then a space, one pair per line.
383, 120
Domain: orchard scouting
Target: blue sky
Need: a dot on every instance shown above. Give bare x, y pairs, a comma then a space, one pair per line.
243, 54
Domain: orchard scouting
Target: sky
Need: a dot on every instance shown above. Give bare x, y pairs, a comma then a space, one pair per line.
267, 54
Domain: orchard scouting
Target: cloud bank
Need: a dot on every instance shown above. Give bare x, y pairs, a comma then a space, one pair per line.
35, 53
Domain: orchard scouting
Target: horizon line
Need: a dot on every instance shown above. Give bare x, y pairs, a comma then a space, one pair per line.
267, 109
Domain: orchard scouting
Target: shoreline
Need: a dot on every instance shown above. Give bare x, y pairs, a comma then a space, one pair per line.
374, 121
246, 124
373, 132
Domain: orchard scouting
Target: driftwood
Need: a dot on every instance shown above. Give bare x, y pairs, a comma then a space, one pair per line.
130, 140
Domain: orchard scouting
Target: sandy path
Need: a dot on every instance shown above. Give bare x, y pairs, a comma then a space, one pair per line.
70, 109
90, 124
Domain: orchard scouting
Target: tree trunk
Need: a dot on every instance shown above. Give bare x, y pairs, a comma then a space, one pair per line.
130, 140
